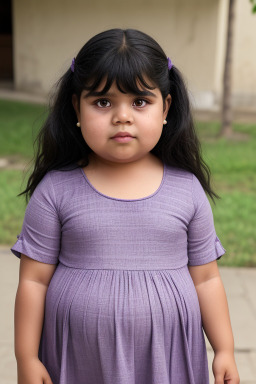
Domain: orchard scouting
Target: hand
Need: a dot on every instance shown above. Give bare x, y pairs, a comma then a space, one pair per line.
32, 371
224, 368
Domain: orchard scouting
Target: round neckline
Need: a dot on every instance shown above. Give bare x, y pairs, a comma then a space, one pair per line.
119, 199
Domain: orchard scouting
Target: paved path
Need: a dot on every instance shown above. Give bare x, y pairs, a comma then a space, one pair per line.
240, 286
10, 94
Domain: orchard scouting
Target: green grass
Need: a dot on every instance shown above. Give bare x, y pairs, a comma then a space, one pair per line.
19, 124
235, 225
11, 207
233, 177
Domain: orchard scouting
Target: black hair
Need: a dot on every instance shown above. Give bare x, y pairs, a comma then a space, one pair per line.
132, 60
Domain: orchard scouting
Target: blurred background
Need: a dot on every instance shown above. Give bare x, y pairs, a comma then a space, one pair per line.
38, 40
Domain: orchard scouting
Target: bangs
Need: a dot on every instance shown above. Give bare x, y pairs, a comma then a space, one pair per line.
130, 72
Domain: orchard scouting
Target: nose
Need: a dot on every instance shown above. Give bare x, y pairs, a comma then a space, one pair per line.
122, 115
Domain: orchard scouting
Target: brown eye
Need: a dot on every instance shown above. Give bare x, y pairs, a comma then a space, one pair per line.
140, 103
103, 103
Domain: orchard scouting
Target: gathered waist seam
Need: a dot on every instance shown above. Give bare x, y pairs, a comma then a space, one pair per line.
124, 269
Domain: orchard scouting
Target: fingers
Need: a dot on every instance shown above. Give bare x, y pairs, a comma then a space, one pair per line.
47, 380
219, 379
235, 380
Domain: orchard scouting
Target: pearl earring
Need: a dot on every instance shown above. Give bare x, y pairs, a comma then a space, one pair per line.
78, 124
165, 122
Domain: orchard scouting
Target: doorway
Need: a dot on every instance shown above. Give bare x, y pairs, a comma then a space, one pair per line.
6, 43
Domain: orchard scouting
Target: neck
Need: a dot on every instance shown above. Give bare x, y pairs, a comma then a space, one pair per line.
106, 166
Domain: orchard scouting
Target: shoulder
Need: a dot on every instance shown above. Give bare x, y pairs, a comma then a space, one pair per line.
185, 184
56, 185
183, 177
178, 189
179, 176
189, 185
61, 177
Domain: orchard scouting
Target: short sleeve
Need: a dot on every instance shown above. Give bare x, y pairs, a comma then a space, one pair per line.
204, 245
41, 230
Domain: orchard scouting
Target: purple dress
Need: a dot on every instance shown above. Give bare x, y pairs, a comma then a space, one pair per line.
121, 307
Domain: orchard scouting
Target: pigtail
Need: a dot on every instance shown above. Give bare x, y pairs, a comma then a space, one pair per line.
179, 145
59, 144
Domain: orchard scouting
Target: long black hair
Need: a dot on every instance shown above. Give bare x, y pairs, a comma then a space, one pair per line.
131, 59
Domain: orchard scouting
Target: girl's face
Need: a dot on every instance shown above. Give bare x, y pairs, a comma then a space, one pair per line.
103, 117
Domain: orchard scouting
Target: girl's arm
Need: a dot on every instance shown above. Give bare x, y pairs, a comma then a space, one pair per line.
216, 320
29, 314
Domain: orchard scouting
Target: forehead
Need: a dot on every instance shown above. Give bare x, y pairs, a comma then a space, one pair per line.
105, 88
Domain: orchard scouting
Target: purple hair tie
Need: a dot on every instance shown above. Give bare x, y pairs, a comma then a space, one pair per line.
169, 63
72, 67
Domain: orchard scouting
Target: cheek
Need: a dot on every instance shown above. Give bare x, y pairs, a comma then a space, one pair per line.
92, 125
154, 122
93, 133
155, 115
90, 133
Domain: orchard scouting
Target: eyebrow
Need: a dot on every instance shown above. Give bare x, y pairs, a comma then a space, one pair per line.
110, 94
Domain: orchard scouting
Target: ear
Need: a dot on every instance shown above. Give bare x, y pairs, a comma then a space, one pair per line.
76, 105
167, 104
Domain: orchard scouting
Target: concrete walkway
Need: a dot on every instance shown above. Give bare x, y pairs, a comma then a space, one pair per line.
10, 94
240, 285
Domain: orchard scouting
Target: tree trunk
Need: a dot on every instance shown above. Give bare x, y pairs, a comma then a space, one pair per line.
226, 127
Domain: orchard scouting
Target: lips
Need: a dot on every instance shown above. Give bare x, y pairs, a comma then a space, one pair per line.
122, 134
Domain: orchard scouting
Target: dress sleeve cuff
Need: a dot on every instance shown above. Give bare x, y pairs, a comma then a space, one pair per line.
220, 250
22, 246
215, 253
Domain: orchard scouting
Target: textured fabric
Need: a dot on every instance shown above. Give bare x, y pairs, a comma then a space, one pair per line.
121, 307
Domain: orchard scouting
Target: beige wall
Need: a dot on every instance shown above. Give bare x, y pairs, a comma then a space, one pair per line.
49, 33
244, 61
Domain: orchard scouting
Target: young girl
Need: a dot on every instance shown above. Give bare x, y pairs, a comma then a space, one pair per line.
118, 271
